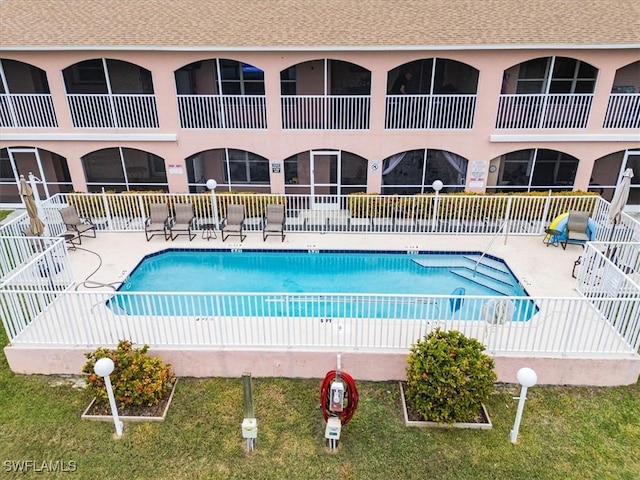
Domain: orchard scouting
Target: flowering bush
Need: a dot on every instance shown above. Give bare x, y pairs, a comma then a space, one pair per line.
137, 378
448, 377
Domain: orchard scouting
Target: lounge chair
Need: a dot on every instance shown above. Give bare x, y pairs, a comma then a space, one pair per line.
183, 222
273, 221
233, 223
81, 226
158, 221
576, 229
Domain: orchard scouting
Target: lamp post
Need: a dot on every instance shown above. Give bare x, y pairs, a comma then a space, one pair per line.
211, 185
527, 378
104, 367
437, 186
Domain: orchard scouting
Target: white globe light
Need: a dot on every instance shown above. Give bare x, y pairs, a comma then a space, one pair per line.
103, 367
437, 185
527, 377
211, 184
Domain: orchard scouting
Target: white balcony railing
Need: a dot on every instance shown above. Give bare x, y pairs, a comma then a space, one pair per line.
321, 112
544, 111
623, 111
453, 112
222, 111
27, 110
113, 111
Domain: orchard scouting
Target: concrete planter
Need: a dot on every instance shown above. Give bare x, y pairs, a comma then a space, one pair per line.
423, 424
130, 418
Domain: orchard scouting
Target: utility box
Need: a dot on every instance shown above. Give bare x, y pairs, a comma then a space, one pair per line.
337, 396
249, 428
332, 431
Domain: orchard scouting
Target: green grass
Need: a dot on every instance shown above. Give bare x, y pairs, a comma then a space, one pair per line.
4, 214
566, 433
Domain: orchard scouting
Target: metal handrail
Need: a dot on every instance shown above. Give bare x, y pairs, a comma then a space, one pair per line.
484, 253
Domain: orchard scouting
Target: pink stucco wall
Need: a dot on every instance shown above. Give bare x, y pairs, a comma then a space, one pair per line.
374, 144
361, 365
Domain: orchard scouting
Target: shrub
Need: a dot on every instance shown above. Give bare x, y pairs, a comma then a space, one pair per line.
137, 378
448, 377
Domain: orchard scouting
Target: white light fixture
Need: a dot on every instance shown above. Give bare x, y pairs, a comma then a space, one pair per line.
104, 367
437, 186
211, 185
527, 378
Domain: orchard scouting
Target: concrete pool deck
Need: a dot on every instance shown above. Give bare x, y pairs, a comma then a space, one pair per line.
545, 271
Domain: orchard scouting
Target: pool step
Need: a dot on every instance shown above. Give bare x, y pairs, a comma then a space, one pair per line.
493, 269
487, 281
488, 262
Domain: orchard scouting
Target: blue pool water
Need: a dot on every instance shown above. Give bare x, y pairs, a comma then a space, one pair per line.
297, 283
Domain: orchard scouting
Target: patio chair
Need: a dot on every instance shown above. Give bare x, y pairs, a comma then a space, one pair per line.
273, 221
158, 221
233, 223
576, 229
183, 222
81, 226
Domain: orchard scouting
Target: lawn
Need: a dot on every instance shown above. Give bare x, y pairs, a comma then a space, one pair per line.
566, 433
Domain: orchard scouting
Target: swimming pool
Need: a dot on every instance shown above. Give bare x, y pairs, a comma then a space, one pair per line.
356, 284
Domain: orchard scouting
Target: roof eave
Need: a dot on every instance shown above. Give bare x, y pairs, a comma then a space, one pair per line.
316, 48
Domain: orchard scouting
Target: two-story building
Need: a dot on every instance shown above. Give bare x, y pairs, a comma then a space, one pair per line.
319, 97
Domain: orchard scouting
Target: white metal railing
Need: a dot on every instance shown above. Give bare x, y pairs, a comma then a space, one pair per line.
450, 214
222, 111
623, 111
39, 306
544, 110
430, 111
612, 271
326, 112
113, 111
278, 320
27, 110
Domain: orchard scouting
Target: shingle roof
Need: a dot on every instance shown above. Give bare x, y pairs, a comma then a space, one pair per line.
305, 24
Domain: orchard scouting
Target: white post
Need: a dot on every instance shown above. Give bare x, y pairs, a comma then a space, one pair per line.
104, 367
211, 185
527, 378
437, 186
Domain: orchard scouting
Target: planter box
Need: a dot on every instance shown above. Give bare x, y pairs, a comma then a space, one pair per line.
423, 424
129, 418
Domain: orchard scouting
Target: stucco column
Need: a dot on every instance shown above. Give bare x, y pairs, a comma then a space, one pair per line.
274, 125
164, 88
600, 100
376, 128
488, 98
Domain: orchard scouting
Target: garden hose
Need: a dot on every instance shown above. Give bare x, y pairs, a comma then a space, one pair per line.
350, 397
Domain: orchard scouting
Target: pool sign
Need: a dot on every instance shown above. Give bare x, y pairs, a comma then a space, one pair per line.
478, 173
174, 169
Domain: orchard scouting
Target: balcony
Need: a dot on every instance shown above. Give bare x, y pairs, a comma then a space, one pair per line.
32, 110
222, 111
408, 112
623, 111
323, 112
535, 111
113, 110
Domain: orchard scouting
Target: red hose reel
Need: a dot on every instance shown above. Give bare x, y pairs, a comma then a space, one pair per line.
349, 400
